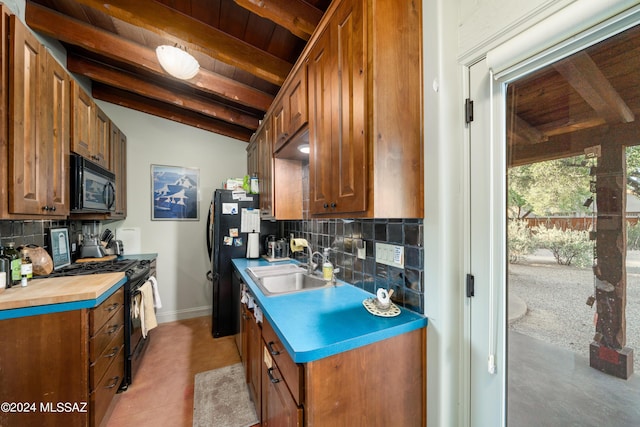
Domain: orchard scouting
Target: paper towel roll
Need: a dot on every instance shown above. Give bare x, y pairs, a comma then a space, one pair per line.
253, 245
298, 245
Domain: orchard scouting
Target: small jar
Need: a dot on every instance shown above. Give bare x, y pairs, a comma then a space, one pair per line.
26, 270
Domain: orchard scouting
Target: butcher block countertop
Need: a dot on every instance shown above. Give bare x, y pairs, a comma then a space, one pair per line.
58, 294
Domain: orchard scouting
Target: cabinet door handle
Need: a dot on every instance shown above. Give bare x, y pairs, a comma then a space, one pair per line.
45, 208
114, 382
333, 205
273, 351
326, 205
53, 208
271, 377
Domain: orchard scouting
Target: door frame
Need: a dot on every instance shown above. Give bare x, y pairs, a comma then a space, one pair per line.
581, 39
493, 284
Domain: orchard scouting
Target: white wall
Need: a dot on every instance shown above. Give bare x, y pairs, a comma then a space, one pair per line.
181, 245
443, 167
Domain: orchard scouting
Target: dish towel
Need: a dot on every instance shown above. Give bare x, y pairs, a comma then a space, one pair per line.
147, 312
135, 308
157, 303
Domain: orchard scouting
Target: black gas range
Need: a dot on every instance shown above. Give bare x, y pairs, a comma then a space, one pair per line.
137, 272
131, 267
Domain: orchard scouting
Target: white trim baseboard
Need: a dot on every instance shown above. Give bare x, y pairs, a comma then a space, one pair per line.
187, 313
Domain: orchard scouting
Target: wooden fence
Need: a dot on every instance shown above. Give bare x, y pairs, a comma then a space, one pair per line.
571, 223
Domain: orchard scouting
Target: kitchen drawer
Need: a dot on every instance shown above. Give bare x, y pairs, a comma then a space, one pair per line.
103, 394
105, 335
292, 373
98, 316
99, 364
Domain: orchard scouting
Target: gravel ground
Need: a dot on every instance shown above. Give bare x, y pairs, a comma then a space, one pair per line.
556, 298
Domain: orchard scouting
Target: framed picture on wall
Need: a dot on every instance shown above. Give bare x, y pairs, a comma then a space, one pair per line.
175, 192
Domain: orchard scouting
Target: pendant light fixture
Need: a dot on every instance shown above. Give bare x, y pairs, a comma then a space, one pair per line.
177, 62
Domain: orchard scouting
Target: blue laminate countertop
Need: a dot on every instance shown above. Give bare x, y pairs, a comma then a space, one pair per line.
318, 323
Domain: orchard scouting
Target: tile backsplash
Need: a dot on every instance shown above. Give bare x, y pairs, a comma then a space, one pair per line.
343, 235
33, 232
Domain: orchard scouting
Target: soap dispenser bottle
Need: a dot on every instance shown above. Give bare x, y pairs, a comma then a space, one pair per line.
327, 267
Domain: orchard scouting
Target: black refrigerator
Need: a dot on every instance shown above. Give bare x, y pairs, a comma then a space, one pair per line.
227, 240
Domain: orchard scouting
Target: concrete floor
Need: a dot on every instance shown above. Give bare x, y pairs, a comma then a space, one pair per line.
549, 386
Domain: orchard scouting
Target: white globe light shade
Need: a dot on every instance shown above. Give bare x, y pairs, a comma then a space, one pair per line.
177, 62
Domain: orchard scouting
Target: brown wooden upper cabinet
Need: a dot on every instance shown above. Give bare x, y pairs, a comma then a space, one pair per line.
291, 112
365, 135
118, 165
90, 129
280, 183
337, 132
264, 138
252, 158
38, 120
102, 138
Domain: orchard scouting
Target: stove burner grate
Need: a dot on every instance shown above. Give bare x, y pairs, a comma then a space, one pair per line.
97, 267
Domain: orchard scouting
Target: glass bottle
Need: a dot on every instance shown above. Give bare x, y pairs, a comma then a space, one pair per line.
5, 266
26, 269
16, 262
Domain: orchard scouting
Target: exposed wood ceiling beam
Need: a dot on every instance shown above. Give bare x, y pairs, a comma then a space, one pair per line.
573, 123
296, 16
586, 78
521, 132
194, 34
168, 111
573, 144
126, 81
68, 30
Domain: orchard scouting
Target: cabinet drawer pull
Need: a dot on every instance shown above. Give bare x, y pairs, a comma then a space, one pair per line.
273, 351
114, 351
112, 329
113, 383
271, 377
112, 306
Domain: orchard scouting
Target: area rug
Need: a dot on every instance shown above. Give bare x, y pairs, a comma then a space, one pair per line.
221, 399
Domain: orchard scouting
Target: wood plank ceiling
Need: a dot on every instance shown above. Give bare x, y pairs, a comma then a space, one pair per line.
590, 98
245, 48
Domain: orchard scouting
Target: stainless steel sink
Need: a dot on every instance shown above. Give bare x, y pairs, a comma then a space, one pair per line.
285, 278
275, 269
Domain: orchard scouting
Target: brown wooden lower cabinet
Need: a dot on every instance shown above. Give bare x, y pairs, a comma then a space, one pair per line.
278, 405
381, 384
62, 368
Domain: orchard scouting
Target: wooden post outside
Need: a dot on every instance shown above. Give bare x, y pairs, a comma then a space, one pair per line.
607, 351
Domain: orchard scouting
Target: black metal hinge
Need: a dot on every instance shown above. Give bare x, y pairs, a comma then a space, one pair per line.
470, 286
468, 111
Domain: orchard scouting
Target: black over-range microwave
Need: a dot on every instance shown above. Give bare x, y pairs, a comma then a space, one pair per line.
92, 186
